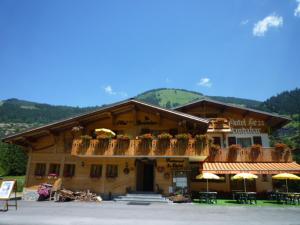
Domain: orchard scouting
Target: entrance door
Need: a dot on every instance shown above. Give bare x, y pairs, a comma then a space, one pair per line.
145, 176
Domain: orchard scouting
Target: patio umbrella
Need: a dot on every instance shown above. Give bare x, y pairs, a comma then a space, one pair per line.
286, 177
244, 176
207, 176
105, 131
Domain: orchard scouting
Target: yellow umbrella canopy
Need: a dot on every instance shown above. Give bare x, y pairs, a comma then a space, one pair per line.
207, 176
286, 177
105, 131
244, 176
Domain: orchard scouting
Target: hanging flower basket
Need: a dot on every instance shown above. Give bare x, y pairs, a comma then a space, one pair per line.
233, 151
164, 141
103, 142
182, 142
85, 141
77, 131
214, 151
280, 149
146, 142
123, 142
200, 141
255, 151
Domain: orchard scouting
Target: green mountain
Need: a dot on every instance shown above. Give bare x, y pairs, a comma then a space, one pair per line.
171, 97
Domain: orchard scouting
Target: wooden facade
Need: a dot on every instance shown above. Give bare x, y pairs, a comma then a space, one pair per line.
115, 166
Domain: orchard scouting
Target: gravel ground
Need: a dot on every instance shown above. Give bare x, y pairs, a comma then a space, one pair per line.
81, 213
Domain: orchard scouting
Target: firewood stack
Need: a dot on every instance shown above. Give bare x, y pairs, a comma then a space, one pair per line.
87, 196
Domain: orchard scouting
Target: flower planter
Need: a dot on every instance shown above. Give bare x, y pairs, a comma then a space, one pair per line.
233, 152
255, 152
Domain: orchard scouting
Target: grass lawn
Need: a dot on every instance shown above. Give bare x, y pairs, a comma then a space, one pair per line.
230, 202
20, 181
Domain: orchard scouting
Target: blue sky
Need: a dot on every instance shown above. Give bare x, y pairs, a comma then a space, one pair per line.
93, 52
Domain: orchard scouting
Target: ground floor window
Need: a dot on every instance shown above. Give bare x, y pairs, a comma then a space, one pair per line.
69, 170
245, 142
54, 169
96, 171
40, 169
111, 171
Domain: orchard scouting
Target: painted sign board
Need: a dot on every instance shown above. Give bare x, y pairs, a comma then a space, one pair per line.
6, 189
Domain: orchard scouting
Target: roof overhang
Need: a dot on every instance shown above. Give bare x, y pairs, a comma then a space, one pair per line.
275, 120
77, 120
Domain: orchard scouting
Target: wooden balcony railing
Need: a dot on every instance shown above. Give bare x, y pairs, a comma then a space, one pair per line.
131, 148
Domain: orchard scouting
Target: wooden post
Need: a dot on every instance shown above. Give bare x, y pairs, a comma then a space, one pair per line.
28, 167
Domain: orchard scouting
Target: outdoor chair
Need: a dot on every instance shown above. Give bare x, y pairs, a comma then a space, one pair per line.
251, 197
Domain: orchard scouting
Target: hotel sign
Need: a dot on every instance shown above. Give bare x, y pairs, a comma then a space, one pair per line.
246, 126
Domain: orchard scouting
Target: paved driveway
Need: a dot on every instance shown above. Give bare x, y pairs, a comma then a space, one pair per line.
73, 213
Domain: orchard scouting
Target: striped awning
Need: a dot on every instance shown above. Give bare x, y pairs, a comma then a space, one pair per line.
256, 168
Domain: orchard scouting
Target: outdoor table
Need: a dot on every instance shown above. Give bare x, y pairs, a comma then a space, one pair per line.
208, 197
246, 197
289, 198
234, 193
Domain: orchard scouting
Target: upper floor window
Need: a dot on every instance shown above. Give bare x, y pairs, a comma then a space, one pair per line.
244, 142
257, 140
40, 169
231, 141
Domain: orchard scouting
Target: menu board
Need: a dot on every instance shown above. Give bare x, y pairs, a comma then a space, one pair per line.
6, 188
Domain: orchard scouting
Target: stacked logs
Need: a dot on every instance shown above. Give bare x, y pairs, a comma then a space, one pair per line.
87, 196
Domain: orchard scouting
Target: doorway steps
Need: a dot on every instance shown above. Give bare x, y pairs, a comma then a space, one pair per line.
142, 198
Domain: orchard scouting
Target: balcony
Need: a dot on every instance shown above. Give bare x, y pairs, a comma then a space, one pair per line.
173, 148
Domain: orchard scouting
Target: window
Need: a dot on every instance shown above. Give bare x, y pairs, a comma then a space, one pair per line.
40, 169
54, 169
257, 140
69, 170
96, 171
231, 141
264, 178
111, 171
244, 142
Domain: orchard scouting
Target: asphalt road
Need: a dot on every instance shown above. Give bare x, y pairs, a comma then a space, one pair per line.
80, 213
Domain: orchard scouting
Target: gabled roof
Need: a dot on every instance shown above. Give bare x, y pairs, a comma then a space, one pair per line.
282, 120
76, 119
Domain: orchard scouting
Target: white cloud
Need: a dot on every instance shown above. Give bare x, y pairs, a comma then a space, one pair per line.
167, 80
205, 82
244, 22
297, 10
109, 90
262, 26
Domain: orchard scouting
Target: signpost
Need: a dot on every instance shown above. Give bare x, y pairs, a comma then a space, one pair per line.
6, 189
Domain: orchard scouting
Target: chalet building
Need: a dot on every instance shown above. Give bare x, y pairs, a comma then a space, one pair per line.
157, 149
